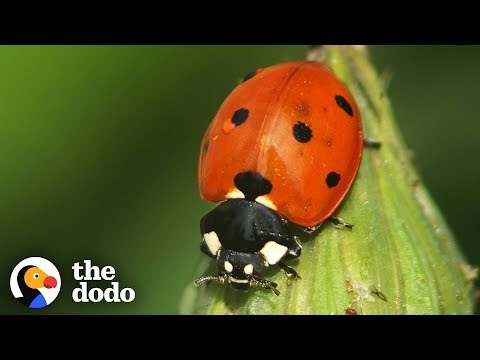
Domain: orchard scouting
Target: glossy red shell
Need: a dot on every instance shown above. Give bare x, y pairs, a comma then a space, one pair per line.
277, 98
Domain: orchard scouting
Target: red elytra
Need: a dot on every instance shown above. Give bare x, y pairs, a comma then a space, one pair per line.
299, 127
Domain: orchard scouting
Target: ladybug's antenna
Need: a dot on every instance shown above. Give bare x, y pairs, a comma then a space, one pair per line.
209, 279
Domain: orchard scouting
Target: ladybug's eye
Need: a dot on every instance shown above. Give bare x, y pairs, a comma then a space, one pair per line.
36, 276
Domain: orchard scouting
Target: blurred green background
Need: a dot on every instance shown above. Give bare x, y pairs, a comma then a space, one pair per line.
99, 146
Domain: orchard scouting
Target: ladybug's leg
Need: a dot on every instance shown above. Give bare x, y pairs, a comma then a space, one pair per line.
310, 229
371, 143
340, 223
290, 272
265, 284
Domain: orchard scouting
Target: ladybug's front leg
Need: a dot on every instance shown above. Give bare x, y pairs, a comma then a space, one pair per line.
290, 272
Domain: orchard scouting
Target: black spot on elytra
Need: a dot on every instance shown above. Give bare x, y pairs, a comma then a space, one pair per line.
344, 104
239, 117
249, 76
301, 132
252, 184
332, 179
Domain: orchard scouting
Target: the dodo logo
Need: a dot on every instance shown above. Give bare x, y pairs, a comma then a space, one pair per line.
35, 282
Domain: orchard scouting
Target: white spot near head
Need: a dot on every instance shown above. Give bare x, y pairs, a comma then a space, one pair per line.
213, 242
273, 252
264, 200
248, 269
228, 266
241, 281
235, 194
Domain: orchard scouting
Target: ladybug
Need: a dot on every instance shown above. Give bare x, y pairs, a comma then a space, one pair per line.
284, 147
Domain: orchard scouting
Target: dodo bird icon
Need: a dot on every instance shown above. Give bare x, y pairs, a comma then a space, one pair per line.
30, 279
35, 283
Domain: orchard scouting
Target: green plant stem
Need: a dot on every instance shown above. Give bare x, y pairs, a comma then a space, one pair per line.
400, 257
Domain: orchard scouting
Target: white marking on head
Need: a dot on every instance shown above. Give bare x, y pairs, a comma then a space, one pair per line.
235, 194
228, 266
248, 269
265, 200
213, 242
241, 281
273, 252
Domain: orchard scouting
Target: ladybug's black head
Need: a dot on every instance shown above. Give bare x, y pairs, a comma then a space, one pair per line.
245, 238
240, 268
